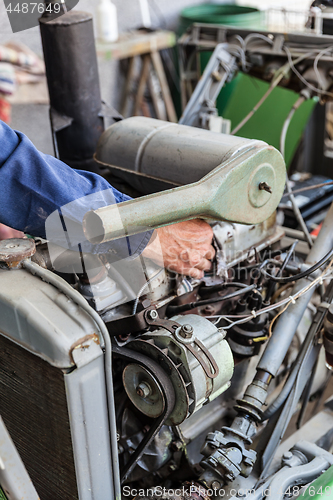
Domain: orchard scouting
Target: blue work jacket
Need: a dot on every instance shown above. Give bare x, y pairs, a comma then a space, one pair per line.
34, 186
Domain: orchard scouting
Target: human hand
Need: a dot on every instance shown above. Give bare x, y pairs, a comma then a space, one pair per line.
184, 248
7, 233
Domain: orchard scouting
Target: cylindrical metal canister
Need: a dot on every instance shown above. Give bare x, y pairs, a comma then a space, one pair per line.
73, 82
157, 155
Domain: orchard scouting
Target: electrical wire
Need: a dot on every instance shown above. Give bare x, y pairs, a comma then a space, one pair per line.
259, 273
256, 107
272, 285
296, 61
283, 137
288, 257
274, 83
308, 188
304, 274
142, 289
280, 291
317, 280
171, 310
303, 80
252, 36
301, 357
288, 300
316, 61
271, 88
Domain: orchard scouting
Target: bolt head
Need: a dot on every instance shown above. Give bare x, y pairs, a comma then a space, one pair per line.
263, 186
287, 455
216, 485
176, 445
153, 314
186, 331
143, 390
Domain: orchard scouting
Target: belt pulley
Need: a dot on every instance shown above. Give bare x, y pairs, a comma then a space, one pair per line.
164, 384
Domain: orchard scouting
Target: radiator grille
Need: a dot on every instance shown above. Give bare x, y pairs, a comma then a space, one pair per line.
34, 408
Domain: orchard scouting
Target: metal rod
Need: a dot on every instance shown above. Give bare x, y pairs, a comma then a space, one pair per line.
287, 324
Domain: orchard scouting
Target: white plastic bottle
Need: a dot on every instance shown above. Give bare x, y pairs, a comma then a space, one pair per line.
107, 23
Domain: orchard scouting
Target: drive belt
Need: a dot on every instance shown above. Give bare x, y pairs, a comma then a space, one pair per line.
169, 398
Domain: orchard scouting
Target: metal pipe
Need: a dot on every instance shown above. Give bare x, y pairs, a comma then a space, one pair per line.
288, 477
288, 322
73, 82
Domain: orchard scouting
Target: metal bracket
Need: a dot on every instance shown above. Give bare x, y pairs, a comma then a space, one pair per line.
218, 70
58, 121
171, 326
204, 365
108, 111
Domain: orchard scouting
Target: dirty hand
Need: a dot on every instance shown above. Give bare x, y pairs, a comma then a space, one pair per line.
7, 233
184, 248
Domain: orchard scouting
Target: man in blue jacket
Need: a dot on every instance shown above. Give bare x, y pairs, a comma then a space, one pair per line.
34, 185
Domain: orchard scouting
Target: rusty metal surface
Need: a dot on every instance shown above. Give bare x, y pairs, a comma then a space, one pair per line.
13, 251
41, 319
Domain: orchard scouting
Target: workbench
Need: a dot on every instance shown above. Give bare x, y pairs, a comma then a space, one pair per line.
144, 45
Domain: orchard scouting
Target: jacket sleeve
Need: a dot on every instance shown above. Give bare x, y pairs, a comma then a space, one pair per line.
36, 189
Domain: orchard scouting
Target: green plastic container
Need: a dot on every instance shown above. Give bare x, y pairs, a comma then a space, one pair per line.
229, 14
234, 15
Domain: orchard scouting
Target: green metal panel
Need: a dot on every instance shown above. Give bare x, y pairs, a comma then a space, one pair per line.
240, 96
266, 124
229, 14
320, 488
2, 495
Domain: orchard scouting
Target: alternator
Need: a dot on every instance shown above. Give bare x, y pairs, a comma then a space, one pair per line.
197, 359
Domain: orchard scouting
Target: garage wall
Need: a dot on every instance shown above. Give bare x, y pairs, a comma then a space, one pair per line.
163, 13
33, 120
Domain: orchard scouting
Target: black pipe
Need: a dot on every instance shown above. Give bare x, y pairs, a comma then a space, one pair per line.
73, 82
172, 310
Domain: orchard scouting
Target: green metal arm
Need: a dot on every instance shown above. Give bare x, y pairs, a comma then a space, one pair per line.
235, 191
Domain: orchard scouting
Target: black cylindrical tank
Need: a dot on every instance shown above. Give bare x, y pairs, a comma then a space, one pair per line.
73, 81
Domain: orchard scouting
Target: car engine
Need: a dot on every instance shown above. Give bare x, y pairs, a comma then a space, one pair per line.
120, 372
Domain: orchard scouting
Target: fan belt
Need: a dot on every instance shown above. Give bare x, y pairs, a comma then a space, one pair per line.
169, 399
